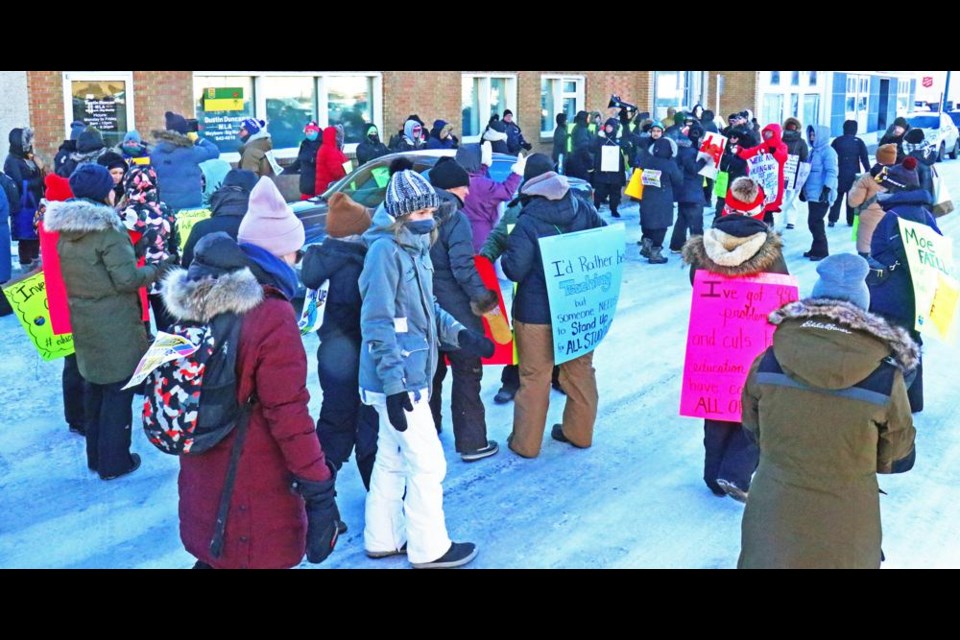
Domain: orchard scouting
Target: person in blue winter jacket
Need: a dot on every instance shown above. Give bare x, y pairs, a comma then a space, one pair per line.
441, 136
820, 190
401, 326
891, 286
176, 158
851, 155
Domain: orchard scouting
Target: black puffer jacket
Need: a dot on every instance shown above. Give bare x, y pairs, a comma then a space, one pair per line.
19, 169
340, 262
851, 152
227, 206
549, 209
656, 207
455, 278
306, 165
793, 138
617, 177
370, 148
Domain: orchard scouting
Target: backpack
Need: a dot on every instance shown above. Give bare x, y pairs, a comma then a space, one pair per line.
191, 403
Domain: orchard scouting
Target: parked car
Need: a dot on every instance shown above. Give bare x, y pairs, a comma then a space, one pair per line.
368, 185
940, 132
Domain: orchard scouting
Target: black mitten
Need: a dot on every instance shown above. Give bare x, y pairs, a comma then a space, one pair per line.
397, 404
476, 343
323, 517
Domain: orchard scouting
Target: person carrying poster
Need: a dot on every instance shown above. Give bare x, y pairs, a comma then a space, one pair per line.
891, 286
662, 181
772, 144
736, 246
827, 405
609, 175
549, 209
738, 137
796, 146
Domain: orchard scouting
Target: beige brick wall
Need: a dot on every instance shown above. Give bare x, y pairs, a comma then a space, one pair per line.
155, 93
739, 92
432, 95
46, 111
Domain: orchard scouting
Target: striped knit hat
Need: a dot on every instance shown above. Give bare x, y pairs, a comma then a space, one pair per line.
407, 192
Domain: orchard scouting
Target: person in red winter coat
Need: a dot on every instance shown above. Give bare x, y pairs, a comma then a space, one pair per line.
330, 160
283, 498
772, 143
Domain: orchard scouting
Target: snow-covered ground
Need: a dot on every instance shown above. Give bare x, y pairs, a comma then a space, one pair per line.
635, 499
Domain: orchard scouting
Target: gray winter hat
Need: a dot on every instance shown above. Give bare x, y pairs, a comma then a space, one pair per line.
843, 277
407, 192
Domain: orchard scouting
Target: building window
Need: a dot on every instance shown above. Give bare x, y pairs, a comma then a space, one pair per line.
287, 102
857, 99
481, 97
102, 100
903, 96
794, 104
676, 89
772, 108
795, 78
775, 78
559, 95
811, 109
813, 79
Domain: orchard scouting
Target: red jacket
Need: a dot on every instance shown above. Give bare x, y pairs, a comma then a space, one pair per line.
266, 524
329, 161
778, 148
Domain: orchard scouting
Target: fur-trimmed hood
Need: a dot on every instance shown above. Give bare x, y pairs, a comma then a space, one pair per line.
80, 216
199, 300
173, 138
726, 254
835, 344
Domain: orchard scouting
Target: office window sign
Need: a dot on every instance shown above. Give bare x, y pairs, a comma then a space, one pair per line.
101, 104
222, 110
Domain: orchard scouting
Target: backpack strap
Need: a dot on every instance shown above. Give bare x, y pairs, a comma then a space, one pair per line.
216, 545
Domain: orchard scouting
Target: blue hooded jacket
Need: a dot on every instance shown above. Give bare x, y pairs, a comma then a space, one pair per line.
824, 169
400, 321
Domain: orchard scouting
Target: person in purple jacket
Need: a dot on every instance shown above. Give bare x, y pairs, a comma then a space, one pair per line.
482, 206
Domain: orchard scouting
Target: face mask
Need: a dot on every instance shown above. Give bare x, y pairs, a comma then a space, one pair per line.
312, 135
374, 138
420, 227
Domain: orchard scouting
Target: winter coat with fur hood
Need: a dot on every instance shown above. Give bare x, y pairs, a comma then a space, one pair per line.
253, 154
549, 209
736, 246
828, 408
102, 280
176, 159
19, 169
266, 523
793, 138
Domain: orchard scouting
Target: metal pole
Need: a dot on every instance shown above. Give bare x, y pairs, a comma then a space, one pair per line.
946, 93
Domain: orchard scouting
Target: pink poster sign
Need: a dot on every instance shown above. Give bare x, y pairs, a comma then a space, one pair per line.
728, 330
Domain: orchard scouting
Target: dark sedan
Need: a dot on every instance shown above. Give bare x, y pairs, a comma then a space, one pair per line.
368, 184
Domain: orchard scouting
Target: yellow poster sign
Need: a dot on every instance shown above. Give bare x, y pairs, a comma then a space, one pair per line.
28, 298
186, 219
936, 290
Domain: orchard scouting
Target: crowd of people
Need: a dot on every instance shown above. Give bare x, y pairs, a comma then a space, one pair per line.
405, 305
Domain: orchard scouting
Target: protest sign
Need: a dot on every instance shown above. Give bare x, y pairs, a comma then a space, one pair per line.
165, 347
28, 299
186, 219
930, 257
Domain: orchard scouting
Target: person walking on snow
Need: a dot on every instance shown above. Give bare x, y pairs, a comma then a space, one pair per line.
820, 190
851, 154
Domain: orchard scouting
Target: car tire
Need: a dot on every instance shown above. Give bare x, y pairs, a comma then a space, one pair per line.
940, 152
956, 150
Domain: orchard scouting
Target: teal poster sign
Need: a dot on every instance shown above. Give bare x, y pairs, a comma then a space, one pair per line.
583, 272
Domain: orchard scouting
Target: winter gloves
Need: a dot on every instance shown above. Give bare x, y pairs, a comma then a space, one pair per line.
825, 194
397, 403
475, 343
323, 517
485, 303
486, 154
519, 165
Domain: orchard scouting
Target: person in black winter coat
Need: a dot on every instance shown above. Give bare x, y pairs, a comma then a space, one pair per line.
608, 182
581, 136
371, 147
560, 136
306, 162
708, 122
68, 146
461, 293
690, 200
22, 166
894, 135
656, 207
227, 206
90, 146
915, 145
851, 154
891, 286
344, 421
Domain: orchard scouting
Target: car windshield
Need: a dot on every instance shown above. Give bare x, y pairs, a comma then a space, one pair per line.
925, 122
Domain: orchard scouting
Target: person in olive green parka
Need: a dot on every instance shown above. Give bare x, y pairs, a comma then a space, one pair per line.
828, 407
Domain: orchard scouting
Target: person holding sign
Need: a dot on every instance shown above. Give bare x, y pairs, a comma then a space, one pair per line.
549, 209
402, 325
827, 405
820, 189
330, 161
662, 181
609, 176
891, 285
736, 246
772, 145
102, 280
797, 147
738, 137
